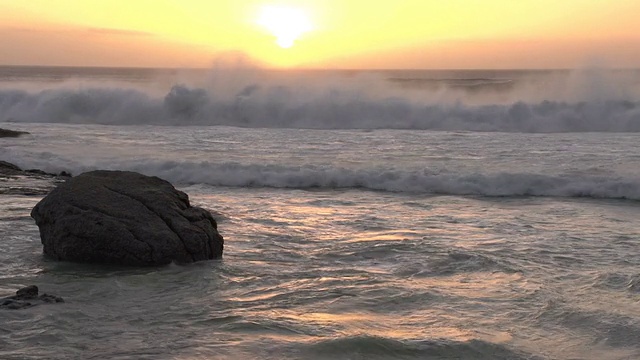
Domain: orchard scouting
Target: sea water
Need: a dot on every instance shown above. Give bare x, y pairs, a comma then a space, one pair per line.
366, 215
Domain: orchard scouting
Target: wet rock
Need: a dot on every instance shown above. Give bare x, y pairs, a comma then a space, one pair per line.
8, 168
15, 181
28, 292
38, 172
121, 217
11, 133
27, 297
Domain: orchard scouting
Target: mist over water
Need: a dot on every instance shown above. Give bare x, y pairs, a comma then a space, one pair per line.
590, 100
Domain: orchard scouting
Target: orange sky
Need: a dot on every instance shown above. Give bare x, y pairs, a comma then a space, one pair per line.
338, 33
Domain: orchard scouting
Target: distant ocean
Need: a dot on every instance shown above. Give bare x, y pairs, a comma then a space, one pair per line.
464, 214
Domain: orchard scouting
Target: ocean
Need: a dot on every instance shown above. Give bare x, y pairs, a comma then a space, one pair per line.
366, 214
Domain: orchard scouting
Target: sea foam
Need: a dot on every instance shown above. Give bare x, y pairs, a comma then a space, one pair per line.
503, 184
411, 181
588, 103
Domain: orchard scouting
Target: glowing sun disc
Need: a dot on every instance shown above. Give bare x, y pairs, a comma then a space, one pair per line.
285, 23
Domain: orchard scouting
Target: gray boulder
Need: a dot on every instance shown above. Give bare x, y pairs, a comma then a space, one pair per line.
121, 217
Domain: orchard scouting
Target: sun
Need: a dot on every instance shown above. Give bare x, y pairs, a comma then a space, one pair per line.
287, 24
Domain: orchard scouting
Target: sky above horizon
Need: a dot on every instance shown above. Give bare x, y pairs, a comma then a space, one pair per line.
401, 34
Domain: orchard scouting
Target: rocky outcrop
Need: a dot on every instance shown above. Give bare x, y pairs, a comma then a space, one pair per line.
11, 133
27, 297
126, 218
15, 181
9, 169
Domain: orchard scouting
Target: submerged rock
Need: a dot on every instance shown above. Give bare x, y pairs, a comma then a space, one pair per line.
27, 297
122, 217
11, 133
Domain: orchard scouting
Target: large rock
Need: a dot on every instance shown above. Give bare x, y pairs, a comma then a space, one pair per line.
124, 218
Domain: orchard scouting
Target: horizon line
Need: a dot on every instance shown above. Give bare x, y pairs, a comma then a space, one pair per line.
312, 68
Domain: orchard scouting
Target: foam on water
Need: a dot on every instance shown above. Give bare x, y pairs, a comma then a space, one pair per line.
600, 165
424, 181
547, 102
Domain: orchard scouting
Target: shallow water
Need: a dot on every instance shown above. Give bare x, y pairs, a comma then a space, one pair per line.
348, 274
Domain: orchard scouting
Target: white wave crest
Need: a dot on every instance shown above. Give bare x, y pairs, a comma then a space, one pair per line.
424, 181
289, 107
503, 184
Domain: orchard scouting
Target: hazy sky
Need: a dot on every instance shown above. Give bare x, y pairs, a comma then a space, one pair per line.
321, 33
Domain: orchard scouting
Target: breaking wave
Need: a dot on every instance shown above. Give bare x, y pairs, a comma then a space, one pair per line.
424, 181
231, 174
342, 105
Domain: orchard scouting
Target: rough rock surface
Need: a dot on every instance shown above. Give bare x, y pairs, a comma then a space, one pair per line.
27, 297
126, 218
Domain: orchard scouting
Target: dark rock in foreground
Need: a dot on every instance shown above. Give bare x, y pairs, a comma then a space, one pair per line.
27, 297
126, 218
11, 133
